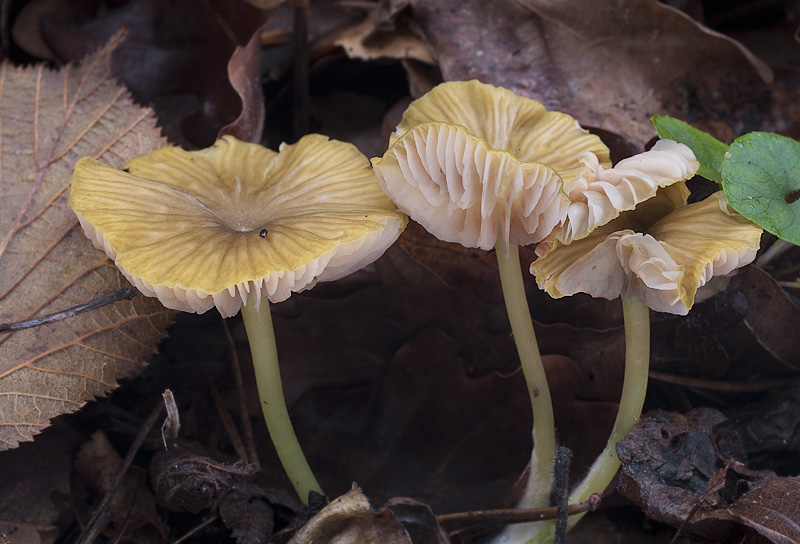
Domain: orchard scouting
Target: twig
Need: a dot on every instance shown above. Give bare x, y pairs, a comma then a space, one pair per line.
301, 61
211, 519
123, 293
131, 511
247, 424
101, 515
519, 515
561, 485
709, 498
753, 386
171, 427
227, 421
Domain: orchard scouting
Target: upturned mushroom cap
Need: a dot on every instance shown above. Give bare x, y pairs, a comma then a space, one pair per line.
663, 265
475, 164
212, 227
598, 195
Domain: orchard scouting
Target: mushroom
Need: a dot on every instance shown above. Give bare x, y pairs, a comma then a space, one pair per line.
235, 226
478, 165
658, 256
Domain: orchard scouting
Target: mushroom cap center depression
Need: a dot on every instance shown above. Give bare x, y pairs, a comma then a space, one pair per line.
233, 213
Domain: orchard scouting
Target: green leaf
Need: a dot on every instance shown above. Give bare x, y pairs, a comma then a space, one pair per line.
761, 180
708, 150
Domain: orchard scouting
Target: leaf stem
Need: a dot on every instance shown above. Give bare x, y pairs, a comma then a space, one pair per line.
261, 335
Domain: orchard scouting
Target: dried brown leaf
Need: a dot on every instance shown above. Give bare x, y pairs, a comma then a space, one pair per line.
772, 509
49, 119
351, 519
611, 69
244, 75
363, 40
672, 468
175, 58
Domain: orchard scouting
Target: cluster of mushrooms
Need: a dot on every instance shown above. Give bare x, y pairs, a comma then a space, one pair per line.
237, 226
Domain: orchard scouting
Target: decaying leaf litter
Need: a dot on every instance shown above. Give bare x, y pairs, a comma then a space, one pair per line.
401, 377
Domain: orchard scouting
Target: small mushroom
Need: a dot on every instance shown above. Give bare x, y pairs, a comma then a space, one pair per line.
480, 166
657, 256
233, 226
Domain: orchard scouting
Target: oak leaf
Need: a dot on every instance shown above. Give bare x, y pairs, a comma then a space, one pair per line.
48, 120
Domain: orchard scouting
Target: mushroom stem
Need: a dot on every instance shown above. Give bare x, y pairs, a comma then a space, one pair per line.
261, 335
634, 387
540, 476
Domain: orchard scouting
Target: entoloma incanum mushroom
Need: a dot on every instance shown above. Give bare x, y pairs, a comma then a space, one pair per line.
233, 226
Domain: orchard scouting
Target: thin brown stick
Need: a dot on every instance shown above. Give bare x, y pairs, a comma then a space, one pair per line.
301, 61
129, 517
102, 514
753, 386
227, 421
519, 515
123, 293
247, 424
193, 531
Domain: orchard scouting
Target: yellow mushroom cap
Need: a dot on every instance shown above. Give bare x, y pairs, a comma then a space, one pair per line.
663, 264
212, 227
477, 164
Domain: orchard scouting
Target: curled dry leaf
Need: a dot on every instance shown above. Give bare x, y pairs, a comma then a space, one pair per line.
48, 120
176, 63
187, 482
365, 41
243, 73
351, 518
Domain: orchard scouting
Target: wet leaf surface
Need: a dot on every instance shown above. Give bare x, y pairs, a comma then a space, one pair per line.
50, 119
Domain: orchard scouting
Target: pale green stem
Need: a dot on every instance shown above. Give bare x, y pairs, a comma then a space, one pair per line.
258, 324
634, 388
540, 477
